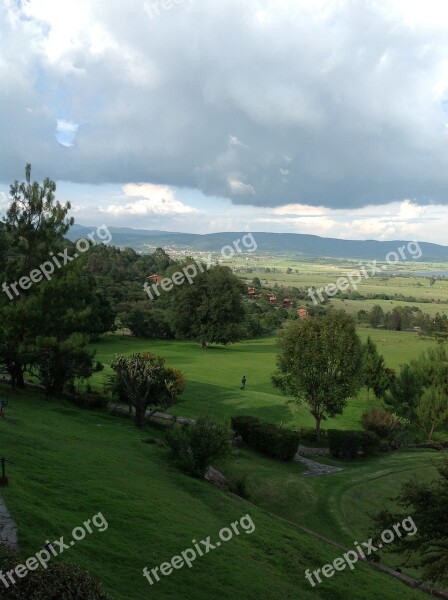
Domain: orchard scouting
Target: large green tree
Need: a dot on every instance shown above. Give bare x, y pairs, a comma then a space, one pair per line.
46, 327
404, 392
210, 309
35, 225
320, 362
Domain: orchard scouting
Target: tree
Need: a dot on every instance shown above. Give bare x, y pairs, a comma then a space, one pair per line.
425, 505
35, 221
148, 383
432, 410
194, 447
376, 316
320, 362
35, 225
375, 374
59, 363
404, 392
210, 309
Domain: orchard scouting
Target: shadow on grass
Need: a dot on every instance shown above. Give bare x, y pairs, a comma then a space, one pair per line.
223, 402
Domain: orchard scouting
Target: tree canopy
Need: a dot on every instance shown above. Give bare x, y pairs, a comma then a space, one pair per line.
320, 362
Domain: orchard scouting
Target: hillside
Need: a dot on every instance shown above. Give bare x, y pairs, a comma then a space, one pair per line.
300, 245
68, 464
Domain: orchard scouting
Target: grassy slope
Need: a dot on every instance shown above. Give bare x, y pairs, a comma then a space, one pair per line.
337, 505
214, 375
67, 465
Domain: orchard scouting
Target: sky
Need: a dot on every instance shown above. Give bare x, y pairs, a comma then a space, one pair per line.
327, 117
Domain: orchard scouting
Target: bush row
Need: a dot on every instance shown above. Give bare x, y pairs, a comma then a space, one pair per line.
278, 443
347, 444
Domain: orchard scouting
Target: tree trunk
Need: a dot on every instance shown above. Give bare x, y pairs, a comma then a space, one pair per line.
16, 373
140, 419
318, 420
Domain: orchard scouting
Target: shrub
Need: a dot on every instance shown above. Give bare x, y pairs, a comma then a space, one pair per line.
59, 580
240, 486
90, 400
387, 426
193, 447
273, 441
242, 425
347, 444
370, 442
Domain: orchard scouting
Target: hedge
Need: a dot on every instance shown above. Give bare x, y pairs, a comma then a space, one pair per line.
242, 425
347, 443
278, 443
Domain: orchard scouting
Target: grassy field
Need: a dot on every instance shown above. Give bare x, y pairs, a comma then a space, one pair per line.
213, 375
338, 505
68, 464
411, 282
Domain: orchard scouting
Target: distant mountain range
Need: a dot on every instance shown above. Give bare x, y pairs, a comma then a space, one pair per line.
297, 244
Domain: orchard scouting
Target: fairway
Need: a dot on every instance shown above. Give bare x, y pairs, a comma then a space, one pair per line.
213, 375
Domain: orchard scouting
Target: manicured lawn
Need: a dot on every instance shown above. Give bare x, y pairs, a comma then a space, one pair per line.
337, 505
67, 464
214, 374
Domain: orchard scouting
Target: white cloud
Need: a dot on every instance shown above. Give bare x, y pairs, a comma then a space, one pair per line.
150, 199
239, 187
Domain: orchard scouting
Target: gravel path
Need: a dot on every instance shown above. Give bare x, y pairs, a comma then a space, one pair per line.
8, 529
315, 468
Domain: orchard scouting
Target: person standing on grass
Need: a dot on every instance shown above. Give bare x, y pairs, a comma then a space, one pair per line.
243, 382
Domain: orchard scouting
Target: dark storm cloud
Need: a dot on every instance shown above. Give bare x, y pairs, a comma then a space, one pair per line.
267, 103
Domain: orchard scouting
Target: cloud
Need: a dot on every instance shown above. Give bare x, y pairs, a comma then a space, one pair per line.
150, 199
238, 187
328, 103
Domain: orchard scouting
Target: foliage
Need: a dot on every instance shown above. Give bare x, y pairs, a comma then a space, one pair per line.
375, 374
273, 441
35, 224
402, 318
348, 444
194, 447
59, 580
387, 426
210, 309
432, 410
427, 505
278, 443
242, 425
241, 486
61, 313
404, 392
60, 363
320, 362
421, 390
147, 383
